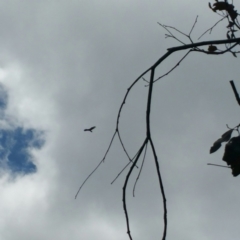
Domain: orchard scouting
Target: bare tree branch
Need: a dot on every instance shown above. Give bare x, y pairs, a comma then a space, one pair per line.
211, 28
96, 166
125, 187
193, 26
125, 167
174, 66
140, 171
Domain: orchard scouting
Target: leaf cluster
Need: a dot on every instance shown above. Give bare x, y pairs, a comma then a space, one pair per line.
226, 11
218, 143
224, 6
232, 150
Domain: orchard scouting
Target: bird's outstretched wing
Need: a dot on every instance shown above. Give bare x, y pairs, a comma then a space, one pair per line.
89, 129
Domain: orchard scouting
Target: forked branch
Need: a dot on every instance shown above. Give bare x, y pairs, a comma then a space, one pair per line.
230, 43
190, 48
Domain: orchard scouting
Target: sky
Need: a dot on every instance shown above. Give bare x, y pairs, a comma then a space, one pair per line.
66, 66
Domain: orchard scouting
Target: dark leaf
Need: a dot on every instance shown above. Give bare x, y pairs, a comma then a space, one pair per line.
228, 36
232, 151
216, 146
227, 135
235, 166
234, 54
233, 14
212, 48
230, 24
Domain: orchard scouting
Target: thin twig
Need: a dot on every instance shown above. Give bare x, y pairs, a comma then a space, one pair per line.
211, 28
193, 26
173, 67
135, 184
171, 35
125, 187
217, 165
145, 80
96, 166
175, 29
124, 168
165, 26
124, 149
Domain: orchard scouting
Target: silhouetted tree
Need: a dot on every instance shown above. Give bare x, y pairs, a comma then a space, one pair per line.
227, 12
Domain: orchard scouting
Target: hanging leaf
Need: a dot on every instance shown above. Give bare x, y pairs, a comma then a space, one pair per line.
212, 48
216, 145
236, 168
232, 150
230, 24
232, 155
234, 54
227, 135
225, 138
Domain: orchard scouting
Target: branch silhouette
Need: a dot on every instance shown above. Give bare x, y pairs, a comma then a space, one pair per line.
235, 91
230, 43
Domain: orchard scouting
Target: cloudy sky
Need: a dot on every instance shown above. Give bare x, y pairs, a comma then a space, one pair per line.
66, 66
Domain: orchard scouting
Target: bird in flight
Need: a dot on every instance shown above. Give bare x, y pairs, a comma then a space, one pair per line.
89, 129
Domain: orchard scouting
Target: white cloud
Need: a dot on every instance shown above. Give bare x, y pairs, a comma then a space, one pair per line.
66, 66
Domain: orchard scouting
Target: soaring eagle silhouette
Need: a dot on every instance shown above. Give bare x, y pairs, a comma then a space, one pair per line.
89, 129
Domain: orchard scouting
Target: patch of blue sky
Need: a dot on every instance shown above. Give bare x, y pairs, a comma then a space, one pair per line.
19, 158
15, 144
